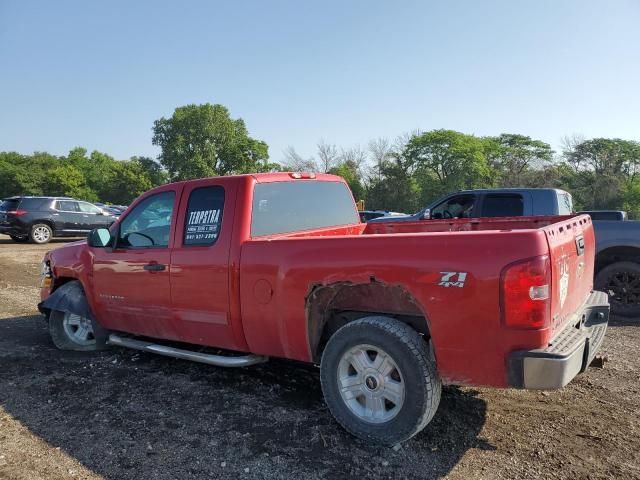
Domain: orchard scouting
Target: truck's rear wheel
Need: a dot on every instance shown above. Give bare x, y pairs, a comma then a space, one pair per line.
379, 381
73, 332
621, 281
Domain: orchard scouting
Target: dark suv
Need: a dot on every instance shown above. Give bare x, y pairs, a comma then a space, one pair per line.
38, 219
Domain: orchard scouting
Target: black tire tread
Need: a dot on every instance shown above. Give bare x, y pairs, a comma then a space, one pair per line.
420, 352
600, 284
62, 342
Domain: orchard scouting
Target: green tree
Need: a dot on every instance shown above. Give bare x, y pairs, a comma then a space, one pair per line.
67, 180
394, 187
127, 179
203, 140
607, 169
349, 171
446, 160
9, 162
512, 155
152, 169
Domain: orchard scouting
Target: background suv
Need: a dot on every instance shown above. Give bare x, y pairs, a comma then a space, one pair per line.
39, 219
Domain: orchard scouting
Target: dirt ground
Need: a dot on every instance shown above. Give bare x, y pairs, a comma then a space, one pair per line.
122, 414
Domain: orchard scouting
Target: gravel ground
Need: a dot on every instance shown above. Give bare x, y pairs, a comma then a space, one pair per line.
122, 414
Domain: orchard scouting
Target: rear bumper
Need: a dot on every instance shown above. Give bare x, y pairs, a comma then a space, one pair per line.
11, 230
569, 353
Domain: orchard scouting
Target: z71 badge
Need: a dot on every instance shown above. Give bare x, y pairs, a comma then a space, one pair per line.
452, 279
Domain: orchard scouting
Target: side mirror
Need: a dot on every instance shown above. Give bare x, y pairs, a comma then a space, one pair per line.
99, 238
426, 215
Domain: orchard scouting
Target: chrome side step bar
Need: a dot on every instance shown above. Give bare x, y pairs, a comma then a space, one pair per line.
209, 359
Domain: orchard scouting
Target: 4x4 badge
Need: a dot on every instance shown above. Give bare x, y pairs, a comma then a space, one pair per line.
453, 279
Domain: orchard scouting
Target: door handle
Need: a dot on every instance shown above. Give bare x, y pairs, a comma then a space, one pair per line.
154, 267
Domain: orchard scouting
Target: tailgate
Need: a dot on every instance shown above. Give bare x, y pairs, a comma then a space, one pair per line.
572, 253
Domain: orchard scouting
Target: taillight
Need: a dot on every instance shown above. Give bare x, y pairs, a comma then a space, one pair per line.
525, 289
17, 213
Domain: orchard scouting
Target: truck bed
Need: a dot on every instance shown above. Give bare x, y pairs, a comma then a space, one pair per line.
464, 322
434, 226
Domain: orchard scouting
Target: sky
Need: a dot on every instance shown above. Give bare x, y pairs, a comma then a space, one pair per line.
97, 74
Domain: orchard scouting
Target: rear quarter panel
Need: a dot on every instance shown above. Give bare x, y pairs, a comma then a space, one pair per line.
276, 275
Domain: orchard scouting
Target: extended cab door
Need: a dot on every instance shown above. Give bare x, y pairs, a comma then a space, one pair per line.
200, 270
131, 280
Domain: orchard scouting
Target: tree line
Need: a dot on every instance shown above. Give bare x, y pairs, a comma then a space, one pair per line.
404, 174
410, 172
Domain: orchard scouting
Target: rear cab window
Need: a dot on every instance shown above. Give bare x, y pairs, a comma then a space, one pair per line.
503, 205
285, 207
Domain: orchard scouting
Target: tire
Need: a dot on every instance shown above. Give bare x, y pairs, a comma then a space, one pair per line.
19, 239
40, 233
361, 363
621, 281
68, 330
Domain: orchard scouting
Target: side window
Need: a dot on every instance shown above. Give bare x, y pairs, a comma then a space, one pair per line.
565, 204
511, 205
35, 204
148, 225
88, 208
460, 206
204, 216
67, 206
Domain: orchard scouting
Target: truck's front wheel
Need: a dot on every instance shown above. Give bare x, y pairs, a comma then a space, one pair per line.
379, 380
74, 332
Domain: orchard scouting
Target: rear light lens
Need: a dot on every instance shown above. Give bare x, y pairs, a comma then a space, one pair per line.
525, 293
17, 213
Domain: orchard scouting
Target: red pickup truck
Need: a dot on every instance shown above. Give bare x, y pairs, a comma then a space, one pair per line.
279, 265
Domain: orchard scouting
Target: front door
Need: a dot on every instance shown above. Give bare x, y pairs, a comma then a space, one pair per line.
132, 290
200, 266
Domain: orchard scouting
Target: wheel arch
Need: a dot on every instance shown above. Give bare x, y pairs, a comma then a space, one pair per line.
67, 297
45, 221
330, 306
617, 253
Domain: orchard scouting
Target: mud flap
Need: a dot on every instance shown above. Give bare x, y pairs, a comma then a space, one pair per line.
70, 298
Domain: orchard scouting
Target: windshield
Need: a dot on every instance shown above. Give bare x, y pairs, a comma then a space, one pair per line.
282, 207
